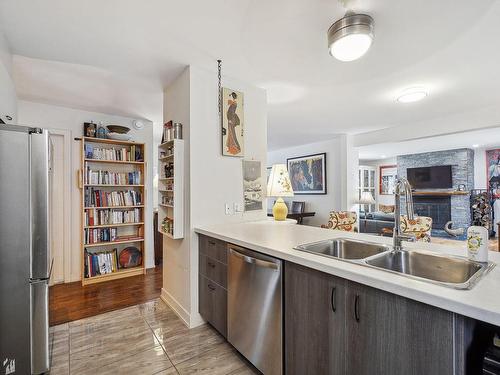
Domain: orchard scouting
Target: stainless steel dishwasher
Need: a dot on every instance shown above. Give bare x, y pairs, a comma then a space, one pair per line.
255, 319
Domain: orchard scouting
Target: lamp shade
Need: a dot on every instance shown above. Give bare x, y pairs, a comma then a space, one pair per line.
366, 198
279, 184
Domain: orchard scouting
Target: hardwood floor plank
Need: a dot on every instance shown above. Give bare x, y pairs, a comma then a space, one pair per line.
72, 301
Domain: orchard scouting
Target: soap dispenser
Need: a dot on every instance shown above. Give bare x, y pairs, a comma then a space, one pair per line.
477, 243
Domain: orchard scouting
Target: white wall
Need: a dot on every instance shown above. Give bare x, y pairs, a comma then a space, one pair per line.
8, 97
71, 120
381, 199
321, 204
213, 180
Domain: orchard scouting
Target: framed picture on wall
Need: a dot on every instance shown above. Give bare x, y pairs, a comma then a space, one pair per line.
233, 123
252, 185
308, 174
493, 172
387, 179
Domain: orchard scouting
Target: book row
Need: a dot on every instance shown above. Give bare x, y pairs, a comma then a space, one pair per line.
132, 153
100, 198
101, 263
104, 217
98, 235
111, 178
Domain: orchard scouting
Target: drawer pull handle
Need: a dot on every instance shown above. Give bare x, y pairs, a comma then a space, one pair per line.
211, 264
333, 299
356, 307
211, 287
211, 243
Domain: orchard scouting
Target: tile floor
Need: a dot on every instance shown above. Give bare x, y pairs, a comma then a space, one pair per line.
143, 339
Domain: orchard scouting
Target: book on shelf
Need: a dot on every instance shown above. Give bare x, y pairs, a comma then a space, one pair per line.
100, 198
94, 217
132, 153
96, 177
100, 262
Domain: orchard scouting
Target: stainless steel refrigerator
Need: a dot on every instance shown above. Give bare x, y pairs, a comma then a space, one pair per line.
25, 262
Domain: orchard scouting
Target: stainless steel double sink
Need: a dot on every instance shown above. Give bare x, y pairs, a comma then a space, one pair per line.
446, 270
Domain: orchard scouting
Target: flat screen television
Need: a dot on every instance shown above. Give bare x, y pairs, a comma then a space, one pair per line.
430, 177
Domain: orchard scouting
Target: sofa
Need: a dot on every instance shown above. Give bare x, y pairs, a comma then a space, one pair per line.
375, 222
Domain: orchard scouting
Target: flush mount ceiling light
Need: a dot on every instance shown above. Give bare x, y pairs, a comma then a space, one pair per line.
412, 94
350, 37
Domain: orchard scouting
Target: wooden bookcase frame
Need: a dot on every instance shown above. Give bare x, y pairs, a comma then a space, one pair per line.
142, 165
176, 210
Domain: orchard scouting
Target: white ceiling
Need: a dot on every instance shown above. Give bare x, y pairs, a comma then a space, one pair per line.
484, 138
449, 46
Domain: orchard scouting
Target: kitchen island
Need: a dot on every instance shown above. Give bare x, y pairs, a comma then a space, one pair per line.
346, 318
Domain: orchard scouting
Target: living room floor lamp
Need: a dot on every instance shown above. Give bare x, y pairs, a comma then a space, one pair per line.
279, 186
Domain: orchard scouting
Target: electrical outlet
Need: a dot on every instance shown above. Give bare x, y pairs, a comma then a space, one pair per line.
228, 209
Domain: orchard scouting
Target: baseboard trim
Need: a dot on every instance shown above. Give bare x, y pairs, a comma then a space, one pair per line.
176, 306
190, 320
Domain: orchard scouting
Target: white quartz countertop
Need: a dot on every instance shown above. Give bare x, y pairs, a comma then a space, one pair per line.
482, 302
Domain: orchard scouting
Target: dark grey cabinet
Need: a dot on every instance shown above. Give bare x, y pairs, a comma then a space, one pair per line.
212, 282
314, 322
390, 335
370, 332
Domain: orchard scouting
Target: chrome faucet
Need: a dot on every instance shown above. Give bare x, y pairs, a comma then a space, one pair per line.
402, 188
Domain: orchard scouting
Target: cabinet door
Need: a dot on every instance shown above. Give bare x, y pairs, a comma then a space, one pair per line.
205, 300
213, 304
391, 335
314, 322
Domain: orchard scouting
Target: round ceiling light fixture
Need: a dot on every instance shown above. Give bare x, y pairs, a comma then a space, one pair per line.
412, 94
350, 37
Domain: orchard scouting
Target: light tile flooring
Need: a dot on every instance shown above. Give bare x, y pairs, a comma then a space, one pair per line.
143, 339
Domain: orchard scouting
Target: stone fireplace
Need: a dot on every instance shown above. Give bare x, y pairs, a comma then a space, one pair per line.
436, 203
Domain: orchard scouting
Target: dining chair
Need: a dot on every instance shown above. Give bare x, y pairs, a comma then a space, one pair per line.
298, 207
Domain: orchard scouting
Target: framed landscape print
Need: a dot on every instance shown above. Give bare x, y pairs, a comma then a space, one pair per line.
252, 185
387, 178
308, 174
233, 123
493, 172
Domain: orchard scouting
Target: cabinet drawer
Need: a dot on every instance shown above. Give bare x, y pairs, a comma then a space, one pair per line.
213, 270
213, 248
213, 304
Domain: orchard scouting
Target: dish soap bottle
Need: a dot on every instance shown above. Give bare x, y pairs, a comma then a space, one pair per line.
477, 243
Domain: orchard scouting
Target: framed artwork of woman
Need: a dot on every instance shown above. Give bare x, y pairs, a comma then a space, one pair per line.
233, 141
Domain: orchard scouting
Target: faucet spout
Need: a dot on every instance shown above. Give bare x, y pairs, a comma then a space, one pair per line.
401, 188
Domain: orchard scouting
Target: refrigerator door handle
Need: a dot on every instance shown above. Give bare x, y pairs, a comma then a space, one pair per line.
39, 197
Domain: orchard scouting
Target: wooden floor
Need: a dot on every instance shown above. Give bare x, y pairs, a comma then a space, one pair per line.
72, 301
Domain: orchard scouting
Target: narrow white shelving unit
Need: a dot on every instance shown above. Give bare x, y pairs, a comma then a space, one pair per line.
171, 188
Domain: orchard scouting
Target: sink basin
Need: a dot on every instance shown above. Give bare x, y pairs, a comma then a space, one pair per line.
452, 271
344, 248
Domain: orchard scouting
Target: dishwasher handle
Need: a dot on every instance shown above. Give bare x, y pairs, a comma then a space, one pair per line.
252, 260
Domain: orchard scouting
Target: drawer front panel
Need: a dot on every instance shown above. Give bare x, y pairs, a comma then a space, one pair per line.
213, 270
213, 248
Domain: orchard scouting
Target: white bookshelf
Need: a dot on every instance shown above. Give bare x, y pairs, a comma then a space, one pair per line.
171, 188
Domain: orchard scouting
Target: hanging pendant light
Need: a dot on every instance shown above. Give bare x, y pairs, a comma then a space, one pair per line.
350, 37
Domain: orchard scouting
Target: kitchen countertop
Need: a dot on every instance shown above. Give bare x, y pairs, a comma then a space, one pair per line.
482, 302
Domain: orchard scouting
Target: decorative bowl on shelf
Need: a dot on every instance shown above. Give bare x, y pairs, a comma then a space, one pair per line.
119, 136
118, 129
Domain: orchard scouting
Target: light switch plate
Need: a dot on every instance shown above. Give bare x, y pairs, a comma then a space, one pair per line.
228, 209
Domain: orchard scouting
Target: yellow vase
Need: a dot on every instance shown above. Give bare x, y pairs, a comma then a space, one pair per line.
280, 210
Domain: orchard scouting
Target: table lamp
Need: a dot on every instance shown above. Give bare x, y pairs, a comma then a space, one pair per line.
366, 198
279, 186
